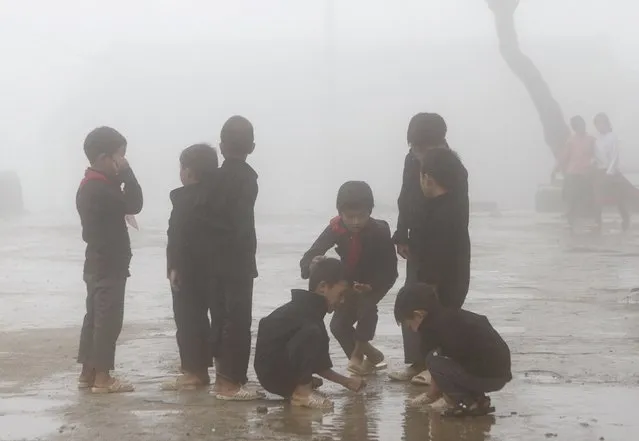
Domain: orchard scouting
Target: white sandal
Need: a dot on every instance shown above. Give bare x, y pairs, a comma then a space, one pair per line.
422, 379
243, 394
313, 401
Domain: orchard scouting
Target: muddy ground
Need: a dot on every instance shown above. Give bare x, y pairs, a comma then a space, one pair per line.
562, 302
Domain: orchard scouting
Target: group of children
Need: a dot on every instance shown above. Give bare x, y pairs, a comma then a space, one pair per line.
211, 268
592, 177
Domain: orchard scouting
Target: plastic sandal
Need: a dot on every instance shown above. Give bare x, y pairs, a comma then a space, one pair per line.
313, 401
117, 387
421, 400
243, 394
404, 375
422, 379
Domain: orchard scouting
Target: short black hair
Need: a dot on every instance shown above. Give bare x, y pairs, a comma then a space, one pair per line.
415, 297
355, 195
201, 159
328, 270
577, 122
103, 141
426, 130
604, 118
238, 135
445, 167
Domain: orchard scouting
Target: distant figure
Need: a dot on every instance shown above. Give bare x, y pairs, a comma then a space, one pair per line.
232, 216
467, 358
609, 183
426, 131
577, 166
103, 204
189, 265
292, 342
366, 249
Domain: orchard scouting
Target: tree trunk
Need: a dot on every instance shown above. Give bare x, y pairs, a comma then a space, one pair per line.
556, 131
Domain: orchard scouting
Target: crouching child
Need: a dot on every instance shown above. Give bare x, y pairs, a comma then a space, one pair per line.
466, 356
368, 254
293, 344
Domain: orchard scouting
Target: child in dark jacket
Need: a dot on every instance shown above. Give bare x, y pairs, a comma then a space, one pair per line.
292, 342
426, 132
189, 265
466, 356
102, 203
366, 249
231, 215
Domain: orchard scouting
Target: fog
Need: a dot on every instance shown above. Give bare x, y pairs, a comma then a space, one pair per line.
330, 99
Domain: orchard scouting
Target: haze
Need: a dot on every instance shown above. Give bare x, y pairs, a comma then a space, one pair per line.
329, 102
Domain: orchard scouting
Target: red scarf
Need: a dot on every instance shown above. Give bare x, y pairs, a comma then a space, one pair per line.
92, 175
354, 245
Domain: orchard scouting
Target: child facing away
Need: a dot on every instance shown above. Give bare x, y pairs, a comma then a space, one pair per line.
426, 132
108, 193
189, 265
292, 342
367, 251
467, 358
231, 215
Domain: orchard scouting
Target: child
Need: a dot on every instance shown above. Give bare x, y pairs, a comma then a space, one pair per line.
426, 131
188, 267
292, 342
467, 358
577, 166
610, 184
232, 215
365, 246
102, 204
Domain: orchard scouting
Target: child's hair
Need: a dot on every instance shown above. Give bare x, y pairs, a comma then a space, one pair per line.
445, 167
604, 119
237, 135
328, 270
201, 159
416, 297
426, 130
577, 122
103, 141
355, 195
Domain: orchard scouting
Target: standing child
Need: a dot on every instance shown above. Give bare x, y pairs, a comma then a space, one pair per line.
292, 342
188, 267
365, 246
426, 131
232, 214
610, 185
466, 356
102, 204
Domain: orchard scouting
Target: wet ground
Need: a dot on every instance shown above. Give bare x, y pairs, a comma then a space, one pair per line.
562, 302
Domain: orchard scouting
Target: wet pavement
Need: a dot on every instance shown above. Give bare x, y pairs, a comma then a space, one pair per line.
562, 302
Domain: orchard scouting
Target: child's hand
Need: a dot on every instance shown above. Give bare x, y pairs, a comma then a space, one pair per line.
403, 251
121, 162
355, 384
362, 288
174, 279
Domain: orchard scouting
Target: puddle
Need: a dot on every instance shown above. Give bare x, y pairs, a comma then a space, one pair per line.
26, 427
543, 377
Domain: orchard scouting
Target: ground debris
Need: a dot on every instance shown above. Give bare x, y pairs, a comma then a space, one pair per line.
551, 435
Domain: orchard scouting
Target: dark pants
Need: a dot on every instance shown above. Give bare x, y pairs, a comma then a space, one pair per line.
191, 312
360, 308
579, 196
412, 340
295, 365
457, 384
611, 190
232, 311
102, 321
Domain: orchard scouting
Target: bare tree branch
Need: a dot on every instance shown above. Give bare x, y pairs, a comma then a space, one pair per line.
555, 129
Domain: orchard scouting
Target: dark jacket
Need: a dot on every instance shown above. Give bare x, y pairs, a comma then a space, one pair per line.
440, 247
369, 255
412, 201
230, 215
102, 204
305, 310
470, 340
187, 249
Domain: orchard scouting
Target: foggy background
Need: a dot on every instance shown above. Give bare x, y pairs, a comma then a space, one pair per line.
330, 99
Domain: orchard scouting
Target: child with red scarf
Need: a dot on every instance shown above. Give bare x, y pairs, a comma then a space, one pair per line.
367, 250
